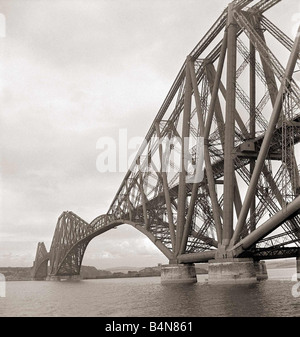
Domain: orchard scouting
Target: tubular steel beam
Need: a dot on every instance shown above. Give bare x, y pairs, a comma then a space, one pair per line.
277, 33
267, 138
216, 85
184, 159
264, 5
193, 199
144, 201
267, 67
197, 257
208, 166
166, 190
252, 113
211, 74
197, 98
267, 227
237, 116
205, 132
229, 130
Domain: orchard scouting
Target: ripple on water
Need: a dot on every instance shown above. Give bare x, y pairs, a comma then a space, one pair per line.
146, 297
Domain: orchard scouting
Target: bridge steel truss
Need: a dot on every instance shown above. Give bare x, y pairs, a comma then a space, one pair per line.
233, 109
40, 264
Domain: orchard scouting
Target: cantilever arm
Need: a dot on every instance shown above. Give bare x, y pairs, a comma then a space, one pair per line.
267, 139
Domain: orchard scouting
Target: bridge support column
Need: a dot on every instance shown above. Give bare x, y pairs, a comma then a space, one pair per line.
231, 271
69, 278
40, 273
178, 273
261, 270
298, 266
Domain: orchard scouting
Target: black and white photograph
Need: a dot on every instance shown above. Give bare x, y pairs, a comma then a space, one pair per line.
150, 161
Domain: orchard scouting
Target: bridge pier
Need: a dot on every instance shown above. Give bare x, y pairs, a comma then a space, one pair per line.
59, 278
231, 271
178, 273
261, 270
298, 266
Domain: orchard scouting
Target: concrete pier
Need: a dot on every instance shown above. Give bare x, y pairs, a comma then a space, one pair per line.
231, 271
261, 270
70, 278
178, 273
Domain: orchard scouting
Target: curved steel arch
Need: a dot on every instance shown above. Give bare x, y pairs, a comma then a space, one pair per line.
68, 261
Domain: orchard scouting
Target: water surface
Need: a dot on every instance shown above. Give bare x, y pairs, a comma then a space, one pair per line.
146, 297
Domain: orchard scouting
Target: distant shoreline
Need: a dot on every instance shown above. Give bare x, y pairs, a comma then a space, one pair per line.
89, 272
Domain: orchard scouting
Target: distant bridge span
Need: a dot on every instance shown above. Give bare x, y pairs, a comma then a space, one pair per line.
231, 117
68, 261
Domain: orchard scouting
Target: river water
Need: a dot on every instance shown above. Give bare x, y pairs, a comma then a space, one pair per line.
146, 297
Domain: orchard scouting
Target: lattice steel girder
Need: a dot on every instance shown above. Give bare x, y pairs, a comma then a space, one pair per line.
267, 254
182, 216
267, 138
272, 64
264, 5
67, 251
166, 193
40, 264
277, 33
195, 53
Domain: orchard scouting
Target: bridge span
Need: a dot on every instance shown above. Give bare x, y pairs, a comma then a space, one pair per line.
217, 178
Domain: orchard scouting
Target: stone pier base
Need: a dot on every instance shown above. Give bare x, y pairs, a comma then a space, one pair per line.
70, 278
231, 271
261, 270
178, 273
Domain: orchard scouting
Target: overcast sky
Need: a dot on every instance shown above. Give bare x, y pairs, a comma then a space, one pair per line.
75, 71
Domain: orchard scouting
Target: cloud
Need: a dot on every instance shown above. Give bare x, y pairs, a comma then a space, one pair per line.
124, 246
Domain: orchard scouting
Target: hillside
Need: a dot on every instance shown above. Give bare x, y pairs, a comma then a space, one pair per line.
16, 273
87, 272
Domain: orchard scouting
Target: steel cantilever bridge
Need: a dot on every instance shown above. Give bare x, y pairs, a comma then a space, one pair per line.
233, 93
